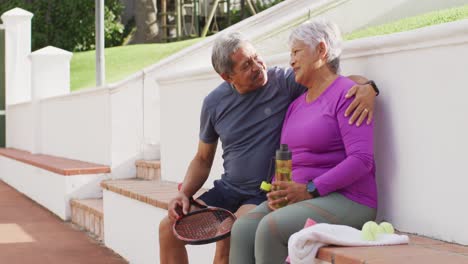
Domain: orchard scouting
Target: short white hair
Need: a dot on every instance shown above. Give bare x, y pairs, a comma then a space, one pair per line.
318, 30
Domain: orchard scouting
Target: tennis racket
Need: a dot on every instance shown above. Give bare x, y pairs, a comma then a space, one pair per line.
207, 225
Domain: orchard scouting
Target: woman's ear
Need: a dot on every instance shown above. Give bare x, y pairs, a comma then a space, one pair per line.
322, 50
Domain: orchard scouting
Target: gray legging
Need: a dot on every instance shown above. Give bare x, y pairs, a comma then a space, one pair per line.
261, 236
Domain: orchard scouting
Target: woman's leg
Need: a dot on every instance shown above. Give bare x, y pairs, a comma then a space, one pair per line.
243, 235
274, 230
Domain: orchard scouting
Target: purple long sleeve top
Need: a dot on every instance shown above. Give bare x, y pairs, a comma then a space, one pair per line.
337, 156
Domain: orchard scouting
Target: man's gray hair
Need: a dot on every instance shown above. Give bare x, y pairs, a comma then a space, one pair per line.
224, 46
318, 30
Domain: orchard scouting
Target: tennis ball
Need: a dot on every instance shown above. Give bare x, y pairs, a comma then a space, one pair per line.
386, 228
265, 186
369, 230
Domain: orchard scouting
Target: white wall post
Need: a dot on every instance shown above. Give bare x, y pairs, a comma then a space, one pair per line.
151, 118
50, 76
50, 73
17, 48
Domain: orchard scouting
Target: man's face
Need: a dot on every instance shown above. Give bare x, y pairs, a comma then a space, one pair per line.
248, 71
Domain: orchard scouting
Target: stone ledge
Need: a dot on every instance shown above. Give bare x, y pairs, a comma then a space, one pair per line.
62, 166
419, 250
155, 193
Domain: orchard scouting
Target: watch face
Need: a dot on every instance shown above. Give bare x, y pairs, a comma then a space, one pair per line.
310, 186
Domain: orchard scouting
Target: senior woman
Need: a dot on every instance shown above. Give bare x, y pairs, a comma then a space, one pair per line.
333, 163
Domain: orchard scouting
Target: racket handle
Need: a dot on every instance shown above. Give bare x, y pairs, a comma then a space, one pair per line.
179, 212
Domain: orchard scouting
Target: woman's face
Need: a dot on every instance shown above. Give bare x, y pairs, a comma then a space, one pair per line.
305, 61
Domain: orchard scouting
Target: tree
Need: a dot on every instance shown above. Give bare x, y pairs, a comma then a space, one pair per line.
146, 18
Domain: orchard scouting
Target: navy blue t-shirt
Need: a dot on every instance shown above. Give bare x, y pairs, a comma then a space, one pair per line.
248, 126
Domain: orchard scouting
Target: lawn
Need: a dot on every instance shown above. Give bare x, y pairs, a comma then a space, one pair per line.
406, 24
120, 61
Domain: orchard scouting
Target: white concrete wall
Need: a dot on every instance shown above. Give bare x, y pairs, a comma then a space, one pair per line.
78, 126
102, 125
134, 232
49, 189
180, 121
19, 126
151, 107
126, 116
420, 124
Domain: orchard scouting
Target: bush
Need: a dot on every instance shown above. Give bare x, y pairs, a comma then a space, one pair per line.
69, 24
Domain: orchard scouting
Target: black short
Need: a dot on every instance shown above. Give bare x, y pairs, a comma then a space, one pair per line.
224, 197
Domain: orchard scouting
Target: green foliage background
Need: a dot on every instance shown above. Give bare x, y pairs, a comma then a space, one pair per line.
69, 24
239, 15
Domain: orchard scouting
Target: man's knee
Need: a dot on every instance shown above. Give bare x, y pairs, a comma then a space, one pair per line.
244, 209
164, 224
166, 235
165, 229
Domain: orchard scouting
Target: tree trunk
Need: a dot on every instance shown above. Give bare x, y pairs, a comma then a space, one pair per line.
146, 18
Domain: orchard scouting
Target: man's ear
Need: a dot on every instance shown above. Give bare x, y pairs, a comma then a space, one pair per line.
226, 77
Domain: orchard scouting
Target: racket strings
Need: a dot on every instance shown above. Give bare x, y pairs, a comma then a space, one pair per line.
205, 225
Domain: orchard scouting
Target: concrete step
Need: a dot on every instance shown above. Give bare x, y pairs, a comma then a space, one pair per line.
148, 169
88, 215
65, 178
134, 208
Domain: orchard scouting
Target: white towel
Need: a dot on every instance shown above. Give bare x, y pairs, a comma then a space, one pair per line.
304, 245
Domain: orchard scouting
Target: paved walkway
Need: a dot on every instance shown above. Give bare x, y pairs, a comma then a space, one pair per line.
30, 234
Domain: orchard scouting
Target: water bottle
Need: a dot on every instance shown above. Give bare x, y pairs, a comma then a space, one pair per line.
283, 168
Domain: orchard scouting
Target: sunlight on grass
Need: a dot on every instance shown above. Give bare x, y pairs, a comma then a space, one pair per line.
406, 24
120, 61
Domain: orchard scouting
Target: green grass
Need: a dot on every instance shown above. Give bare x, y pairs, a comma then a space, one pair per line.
406, 24
120, 61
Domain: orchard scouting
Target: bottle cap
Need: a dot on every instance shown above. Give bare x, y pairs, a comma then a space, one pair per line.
283, 153
265, 186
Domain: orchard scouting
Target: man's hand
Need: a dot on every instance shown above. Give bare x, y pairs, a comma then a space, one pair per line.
287, 192
178, 206
362, 105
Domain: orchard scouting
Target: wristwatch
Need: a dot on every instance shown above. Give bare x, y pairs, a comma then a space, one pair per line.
374, 86
312, 189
